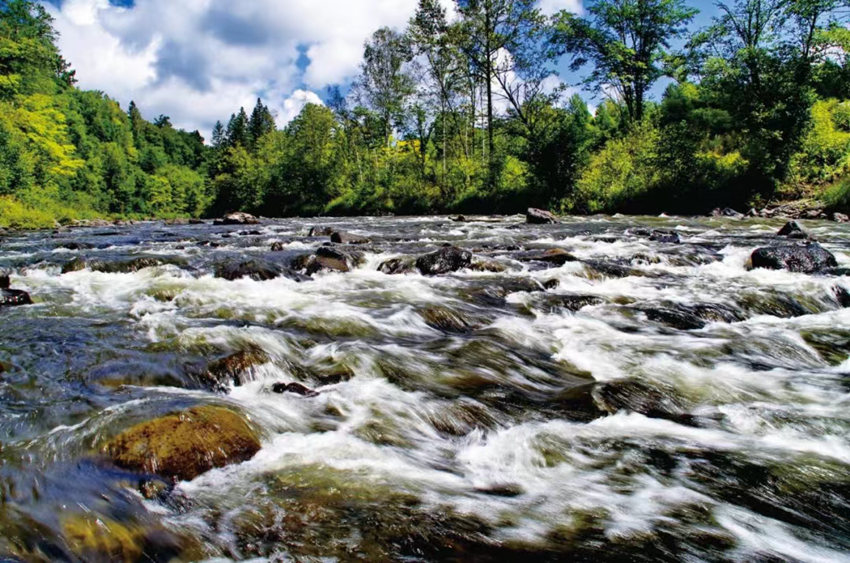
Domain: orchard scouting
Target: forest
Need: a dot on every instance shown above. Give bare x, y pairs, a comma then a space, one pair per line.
462, 111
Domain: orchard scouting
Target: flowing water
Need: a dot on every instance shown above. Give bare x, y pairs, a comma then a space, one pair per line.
648, 401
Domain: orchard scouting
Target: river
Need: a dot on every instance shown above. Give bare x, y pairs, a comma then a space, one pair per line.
645, 400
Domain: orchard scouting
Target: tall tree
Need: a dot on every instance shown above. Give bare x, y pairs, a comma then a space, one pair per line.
260, 123
624, 40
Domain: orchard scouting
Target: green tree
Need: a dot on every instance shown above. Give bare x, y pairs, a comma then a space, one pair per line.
624, 40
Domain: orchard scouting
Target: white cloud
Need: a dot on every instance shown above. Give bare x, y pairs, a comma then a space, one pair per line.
550, 7
199, 60
293, 105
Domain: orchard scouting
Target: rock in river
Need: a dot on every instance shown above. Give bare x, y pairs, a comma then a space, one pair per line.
807, 258
447, 259
341, 237
235, 369
539, 217
792, 229
185, 444
258, 270
328, 258
237, 218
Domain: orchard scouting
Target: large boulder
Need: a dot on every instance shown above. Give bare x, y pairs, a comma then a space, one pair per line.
556, 256
393, 266
807, 258
320, 232
539, 217
447, 259
258, 270
237, 218
186, 444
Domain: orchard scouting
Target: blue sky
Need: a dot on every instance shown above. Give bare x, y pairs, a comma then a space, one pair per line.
200, 60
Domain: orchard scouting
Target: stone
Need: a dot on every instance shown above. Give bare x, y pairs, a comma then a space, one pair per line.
727, 212
341, 237
236, 369
792, 229
840, 218
296, 388
320, 232
237, 218
14, 297
445, 260
536, 216
667, 237
397, 266
185, 444
556, 256
446, 320
807, 258
4, 280
328, 258
257, 270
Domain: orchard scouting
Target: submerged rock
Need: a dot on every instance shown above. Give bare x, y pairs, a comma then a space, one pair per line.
295, 388
397, 266
237, 218
446, 320
667, 237
341, 237
595, 400
447, 259
320, 232
235, 369
808, 259
186, 444
258, 270
539, 217
556, 256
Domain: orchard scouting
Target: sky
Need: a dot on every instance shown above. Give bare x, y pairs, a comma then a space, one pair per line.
199, 61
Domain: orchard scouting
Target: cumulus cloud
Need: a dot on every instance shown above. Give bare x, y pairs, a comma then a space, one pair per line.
198, 61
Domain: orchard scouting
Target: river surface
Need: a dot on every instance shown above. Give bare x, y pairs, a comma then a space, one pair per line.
648, 401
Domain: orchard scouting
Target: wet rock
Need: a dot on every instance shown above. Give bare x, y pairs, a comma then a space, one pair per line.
793, 230
75, 245
197, 222
328, 258
488, 266
295, 388
14, 298
556, 256
102, 539
552, 284
258, 270
727, 212
539, 217
837, 272
840, 218
679, 319
340, 237
446, 320
608, 269
447, 259
186, 444
572, 303
237, 218
808, 258
125, 267
458, 219
236, 369
666, 237
842, 296
278, 246
74, 265
397, 266
594, 400
320, 232
4, 280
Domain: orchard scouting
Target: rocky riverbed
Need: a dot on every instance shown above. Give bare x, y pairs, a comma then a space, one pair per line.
604, 388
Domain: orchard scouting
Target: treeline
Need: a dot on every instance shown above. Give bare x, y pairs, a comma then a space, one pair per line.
463, 112
69, 154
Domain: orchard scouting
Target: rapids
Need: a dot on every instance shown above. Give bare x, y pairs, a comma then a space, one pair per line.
646, 400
